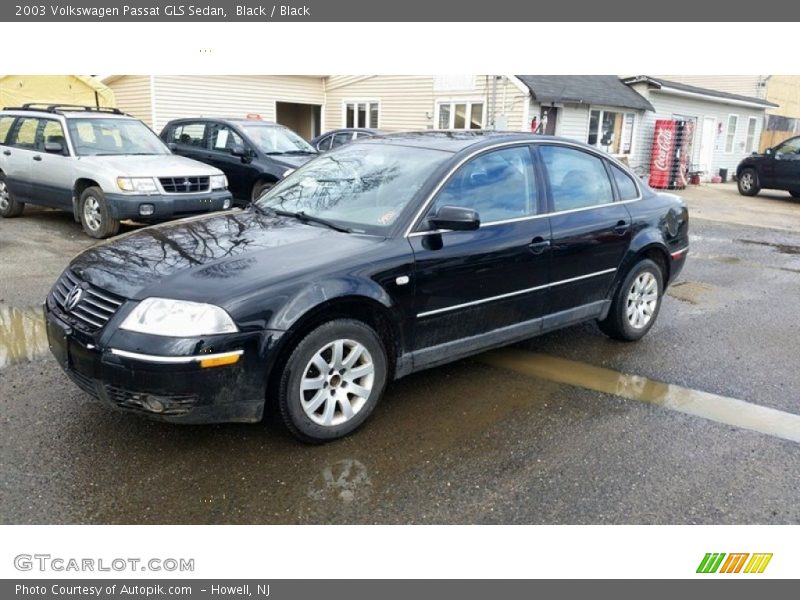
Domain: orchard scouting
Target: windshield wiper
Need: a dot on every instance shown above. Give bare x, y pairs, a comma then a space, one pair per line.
300, 152
299, 215
306, 218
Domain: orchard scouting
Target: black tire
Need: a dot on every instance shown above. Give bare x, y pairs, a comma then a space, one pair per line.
95, 214
9, 207
260, 187
795, 193
617, 323
748, 183
290, 406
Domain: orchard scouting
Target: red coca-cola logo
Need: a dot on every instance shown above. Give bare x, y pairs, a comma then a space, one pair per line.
663, 146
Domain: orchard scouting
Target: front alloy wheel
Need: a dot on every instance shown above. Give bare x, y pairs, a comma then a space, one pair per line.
95, 214
748, 183
332, 381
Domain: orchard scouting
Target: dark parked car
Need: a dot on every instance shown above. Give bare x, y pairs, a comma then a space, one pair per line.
339, 137
777, 169
375, 260
254, 154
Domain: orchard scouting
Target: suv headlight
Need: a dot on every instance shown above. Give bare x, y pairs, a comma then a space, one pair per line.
219, 182
136, 184
178, 318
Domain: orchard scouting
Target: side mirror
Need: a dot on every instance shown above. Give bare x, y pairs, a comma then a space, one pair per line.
769, 152
172, 146
54, 147
455, 218
240, 151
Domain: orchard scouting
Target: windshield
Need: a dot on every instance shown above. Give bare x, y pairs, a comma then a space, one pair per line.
361, 186
276, 140
107, 137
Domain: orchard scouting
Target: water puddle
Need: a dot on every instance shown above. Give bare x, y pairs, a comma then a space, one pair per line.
721, 409
689, 291
22, 335
782, 248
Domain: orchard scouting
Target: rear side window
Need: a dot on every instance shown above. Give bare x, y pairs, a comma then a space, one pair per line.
499, 185
577, 179
5, 127
340, 139
188, 134
625, 186
25, 136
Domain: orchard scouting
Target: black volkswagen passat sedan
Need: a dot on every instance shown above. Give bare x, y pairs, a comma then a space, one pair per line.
383, 257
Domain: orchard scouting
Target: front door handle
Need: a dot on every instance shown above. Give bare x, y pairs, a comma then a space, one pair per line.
7, 152
539, 244
621, 227
37, 157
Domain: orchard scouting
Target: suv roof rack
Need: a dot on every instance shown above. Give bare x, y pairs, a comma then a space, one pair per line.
60, 108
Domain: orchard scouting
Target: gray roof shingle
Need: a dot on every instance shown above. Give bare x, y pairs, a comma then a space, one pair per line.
606, 90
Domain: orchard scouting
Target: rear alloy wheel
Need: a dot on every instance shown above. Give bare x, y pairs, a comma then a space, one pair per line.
636, 303
95, 214
9, 207
332, 381
748, 183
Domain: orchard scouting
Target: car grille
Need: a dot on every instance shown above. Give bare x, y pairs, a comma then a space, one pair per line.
94, 307
173, 405
184, 185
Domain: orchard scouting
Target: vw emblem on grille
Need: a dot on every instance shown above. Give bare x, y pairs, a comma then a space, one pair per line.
73, 298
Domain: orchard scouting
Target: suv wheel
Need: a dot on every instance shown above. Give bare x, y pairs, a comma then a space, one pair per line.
261, 187
636, 303
748, 183
332, 381
9, 207
95, 215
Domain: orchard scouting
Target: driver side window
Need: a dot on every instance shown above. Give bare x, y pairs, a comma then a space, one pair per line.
788, 148
225, 139
499, 185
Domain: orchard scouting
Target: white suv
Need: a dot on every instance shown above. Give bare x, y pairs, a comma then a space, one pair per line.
100, 164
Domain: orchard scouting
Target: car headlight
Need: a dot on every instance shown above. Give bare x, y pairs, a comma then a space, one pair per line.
178, 318
136, 184
219, 182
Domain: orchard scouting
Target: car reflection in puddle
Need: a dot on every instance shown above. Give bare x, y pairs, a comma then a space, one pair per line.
23, 335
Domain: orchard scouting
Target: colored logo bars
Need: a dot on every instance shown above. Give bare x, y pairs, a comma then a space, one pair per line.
713, 562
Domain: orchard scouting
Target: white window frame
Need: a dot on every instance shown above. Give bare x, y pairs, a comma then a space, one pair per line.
625, 113
728, 131
753, 146
452, 101
356, 102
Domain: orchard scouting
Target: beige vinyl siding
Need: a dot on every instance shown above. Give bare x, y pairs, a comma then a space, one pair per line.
408, 102
744, 85
573, 122
132, 93
230, 96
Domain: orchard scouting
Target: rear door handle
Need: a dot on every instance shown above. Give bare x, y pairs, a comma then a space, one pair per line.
621, 227
539, 244
37, 157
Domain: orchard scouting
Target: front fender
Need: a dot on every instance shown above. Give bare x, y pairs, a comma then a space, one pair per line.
317, 293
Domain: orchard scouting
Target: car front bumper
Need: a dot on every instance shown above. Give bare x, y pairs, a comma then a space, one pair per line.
167, 206
167, 381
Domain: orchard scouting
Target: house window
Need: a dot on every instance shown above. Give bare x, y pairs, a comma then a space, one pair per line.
459, 115
730, 137
752, 123
612, 131
361, 114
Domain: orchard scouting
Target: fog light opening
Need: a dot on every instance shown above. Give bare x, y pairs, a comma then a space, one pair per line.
226, 204
146, 210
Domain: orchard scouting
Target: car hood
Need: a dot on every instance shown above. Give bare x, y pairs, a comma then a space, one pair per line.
161, 165
216, 258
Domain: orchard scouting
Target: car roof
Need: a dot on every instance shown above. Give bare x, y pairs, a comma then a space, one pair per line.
456, 141
226, 120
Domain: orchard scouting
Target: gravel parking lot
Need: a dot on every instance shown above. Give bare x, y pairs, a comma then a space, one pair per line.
493, 439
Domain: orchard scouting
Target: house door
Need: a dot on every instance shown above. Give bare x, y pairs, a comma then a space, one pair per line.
549, 119
707, 136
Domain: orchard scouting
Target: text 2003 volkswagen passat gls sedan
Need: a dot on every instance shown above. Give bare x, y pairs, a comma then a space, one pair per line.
383, 257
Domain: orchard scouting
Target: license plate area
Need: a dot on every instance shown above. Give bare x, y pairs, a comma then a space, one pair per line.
58, 339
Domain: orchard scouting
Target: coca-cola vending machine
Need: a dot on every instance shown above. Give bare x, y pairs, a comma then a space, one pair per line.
663, 154
670, 160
